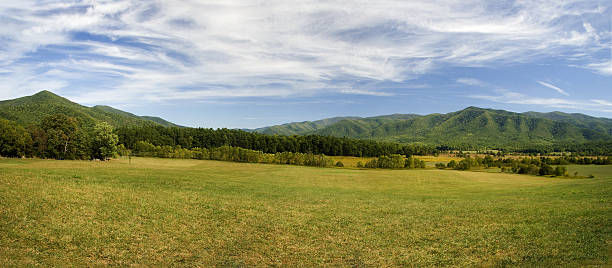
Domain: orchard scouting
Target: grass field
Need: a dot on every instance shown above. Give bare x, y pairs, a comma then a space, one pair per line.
430, 161
164, 212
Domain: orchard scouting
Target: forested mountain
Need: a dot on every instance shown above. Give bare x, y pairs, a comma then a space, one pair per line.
299, 128
471, 127
31, 110
310, 127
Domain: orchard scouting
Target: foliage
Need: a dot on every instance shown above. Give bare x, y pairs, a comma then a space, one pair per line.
314, 144
542, 166
395, 161
64, 138
230, 153
15, 141
104, 143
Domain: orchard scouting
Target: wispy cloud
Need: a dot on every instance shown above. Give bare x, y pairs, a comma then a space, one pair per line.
126, 51
601, 67
365, 92
551, 86
471, 82
511, 97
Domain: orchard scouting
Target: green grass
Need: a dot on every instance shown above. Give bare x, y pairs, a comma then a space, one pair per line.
164, 212
595, 170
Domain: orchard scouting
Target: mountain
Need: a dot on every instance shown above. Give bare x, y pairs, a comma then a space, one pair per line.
298, 128
472, 126
310, 127
31, 110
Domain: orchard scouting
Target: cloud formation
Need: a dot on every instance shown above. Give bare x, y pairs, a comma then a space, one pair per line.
511, 97
125, 51
471, 82
551, 86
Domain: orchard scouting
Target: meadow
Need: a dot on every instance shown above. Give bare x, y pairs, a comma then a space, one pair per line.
184, 212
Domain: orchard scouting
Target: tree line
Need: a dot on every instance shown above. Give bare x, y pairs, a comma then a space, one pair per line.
312, 144
587, 148
394, 161
227, 153
59, 137
527, 165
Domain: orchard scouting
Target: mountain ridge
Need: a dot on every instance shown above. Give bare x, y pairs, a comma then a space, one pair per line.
30, 110
472, 125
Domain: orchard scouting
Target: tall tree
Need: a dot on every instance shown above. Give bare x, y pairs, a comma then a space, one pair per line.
65, 139
14, 139
104, 144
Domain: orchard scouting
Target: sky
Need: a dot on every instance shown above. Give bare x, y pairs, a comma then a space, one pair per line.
248, 64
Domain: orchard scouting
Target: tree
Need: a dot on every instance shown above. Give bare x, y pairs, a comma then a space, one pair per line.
65, 140
15, 141
104, 143
560, 171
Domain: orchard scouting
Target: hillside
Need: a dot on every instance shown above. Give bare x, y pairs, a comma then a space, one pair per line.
471, 126
299, 128
31, 110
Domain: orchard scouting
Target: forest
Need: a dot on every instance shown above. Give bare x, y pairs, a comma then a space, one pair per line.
60, 136
63, 137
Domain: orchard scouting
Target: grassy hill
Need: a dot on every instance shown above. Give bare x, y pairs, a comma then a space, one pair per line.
31, 110
473, 126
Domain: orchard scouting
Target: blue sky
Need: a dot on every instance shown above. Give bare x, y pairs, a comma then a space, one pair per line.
246, 64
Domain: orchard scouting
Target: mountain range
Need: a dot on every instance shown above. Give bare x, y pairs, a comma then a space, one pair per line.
471, 126
31, 110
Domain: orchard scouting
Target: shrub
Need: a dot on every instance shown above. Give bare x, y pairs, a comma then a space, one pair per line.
560, 171
371, 164
339, 164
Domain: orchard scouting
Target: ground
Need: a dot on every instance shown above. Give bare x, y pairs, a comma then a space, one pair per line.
208, 213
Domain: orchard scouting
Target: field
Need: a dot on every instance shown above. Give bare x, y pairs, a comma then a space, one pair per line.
164, 212
430, 161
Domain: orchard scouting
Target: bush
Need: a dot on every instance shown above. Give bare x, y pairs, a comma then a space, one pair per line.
547, 170
339, 164
560, 171
371, 164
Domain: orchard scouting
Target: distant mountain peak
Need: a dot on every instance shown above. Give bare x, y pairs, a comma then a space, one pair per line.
30, 110
45, 94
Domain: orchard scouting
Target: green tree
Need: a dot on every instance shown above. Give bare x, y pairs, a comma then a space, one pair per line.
65, 139
104, 144
560, 171
15, 141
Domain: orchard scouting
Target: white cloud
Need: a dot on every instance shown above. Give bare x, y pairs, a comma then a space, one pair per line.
602, 67
471, 82
602, 102
364, 92
551, 86
214, 49
511, 97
